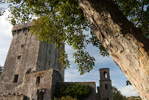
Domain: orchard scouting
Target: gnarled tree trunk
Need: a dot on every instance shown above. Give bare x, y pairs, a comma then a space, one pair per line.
124, 42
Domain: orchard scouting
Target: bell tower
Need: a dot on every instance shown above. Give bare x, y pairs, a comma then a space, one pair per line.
105, 89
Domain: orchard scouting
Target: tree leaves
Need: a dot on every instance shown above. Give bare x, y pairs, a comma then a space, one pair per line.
137, 12
62, 21
117, 94
76, 90
59, 22
84, 60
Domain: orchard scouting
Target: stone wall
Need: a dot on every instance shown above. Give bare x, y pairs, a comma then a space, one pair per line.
19, 97
22, 57
44, 81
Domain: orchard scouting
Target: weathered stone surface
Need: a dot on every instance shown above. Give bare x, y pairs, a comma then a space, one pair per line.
30, 86
22, 26
12, 97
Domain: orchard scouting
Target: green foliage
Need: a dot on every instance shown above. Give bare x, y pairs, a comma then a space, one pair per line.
137, 11
59, 22
1, 70
77, 91
62, 21
117, 95
64, 59
97, 96
134, 98
65, 98
84, 61
128, 83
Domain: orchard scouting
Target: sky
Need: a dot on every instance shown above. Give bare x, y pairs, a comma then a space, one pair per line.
72, 74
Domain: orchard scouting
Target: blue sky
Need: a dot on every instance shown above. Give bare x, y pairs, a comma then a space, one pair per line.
72, 74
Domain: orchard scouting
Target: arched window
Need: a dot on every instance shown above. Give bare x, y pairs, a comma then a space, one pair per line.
105, 75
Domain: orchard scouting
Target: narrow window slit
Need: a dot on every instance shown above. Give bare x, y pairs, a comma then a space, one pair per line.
38, 80
19, 57
16, 78
22, 46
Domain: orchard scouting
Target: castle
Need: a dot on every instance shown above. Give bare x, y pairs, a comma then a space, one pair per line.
32, 70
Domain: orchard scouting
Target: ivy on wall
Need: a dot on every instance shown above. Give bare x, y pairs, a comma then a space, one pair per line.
77, 91
65, 98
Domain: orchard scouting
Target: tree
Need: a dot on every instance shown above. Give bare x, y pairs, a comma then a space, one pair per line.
117, 94
1, 70
125, 43
61, 21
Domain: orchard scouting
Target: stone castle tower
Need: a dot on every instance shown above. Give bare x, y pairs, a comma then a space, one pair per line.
31, 68
105, 89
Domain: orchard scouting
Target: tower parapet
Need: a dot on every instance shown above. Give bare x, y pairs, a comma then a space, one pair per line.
104, 74
21, 28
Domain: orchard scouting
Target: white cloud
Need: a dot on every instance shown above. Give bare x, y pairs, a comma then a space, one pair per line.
129, 91
6, 27
5, 36
3, 5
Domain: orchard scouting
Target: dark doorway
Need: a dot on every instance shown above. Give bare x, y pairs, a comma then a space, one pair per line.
40, 95
106, 86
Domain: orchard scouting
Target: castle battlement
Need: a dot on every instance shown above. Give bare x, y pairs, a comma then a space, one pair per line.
21, 28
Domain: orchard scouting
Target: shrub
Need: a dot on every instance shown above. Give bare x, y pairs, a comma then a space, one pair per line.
65, 98
77, 91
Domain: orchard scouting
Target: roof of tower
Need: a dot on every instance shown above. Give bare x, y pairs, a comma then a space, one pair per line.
21, 26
